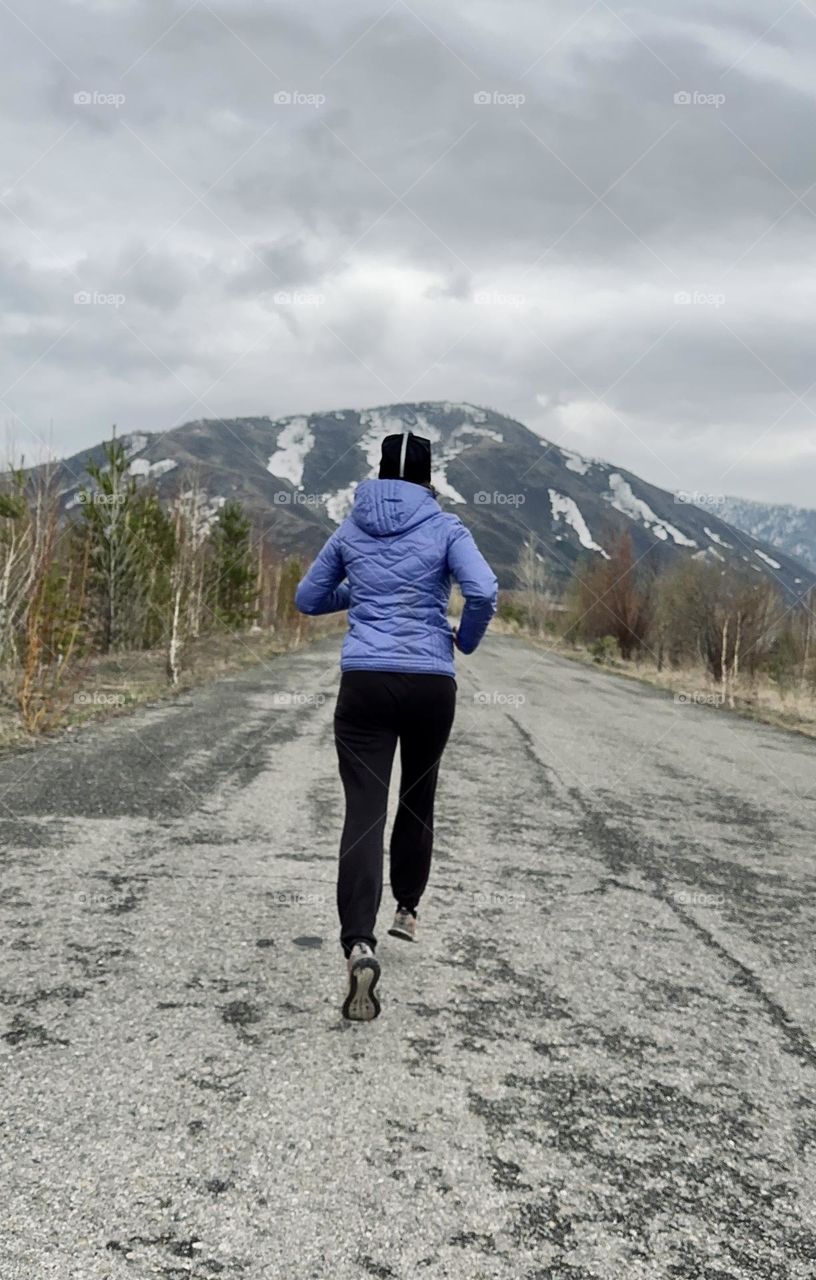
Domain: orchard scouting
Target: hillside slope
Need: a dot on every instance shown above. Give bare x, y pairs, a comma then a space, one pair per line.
296, 476
790, 529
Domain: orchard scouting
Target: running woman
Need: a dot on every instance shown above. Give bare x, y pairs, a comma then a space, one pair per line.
391, 564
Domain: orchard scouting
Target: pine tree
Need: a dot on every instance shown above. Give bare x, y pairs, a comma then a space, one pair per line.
154, 532
116, 555
233, 578
291, 573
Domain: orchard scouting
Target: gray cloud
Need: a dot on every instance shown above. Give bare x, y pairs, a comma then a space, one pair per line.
383, 233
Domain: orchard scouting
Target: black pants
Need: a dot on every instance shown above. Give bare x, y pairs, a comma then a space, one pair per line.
375, 710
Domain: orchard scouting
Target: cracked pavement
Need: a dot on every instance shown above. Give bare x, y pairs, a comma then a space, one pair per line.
599, 1062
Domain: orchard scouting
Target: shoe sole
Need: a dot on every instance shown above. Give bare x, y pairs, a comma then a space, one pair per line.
361, 1004
396, 932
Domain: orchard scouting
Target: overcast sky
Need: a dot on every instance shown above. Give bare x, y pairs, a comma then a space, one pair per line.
279, 207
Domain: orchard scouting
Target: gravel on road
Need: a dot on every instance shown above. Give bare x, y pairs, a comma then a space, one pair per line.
598, 1062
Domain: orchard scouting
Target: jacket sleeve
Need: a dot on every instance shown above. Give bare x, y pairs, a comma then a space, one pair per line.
478, 585
323, 590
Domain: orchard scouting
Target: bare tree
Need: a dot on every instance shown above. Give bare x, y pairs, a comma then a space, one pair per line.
807, 626
52, 625
727, 621
17, 563
534, 582
181, 582
614, 597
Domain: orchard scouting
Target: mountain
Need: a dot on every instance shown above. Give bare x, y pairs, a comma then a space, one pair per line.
296, 477
790, 529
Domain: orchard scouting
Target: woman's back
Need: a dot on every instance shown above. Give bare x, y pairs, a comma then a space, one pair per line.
390, 564
399, 552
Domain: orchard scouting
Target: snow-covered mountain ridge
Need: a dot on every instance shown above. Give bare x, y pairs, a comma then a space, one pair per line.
790, 529
296, 475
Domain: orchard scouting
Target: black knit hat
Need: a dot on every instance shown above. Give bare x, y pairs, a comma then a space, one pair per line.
406, 457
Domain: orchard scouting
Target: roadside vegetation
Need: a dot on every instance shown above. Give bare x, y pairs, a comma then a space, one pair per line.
713, 637
129, 600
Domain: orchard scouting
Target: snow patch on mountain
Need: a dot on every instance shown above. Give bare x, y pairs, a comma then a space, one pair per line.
379, 424
470, 410
467, 429
294, 443
773, 563
148, 470
339, 504
458, 440
135, 443
163, 466
715, 537
574, 461
443, 485
624, 500
564, 508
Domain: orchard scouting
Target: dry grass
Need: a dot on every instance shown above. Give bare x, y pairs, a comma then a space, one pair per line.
115, 684
118, 683
758, 699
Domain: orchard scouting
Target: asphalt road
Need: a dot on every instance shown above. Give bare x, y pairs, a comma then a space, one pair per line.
599, 1062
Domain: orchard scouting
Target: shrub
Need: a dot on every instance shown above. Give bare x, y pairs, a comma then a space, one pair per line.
605, 649
613, 597
509, 611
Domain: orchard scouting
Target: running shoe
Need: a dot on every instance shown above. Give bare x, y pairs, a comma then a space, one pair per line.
361, 1003
404, 926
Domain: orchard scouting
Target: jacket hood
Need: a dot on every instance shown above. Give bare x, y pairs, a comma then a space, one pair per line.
385, 507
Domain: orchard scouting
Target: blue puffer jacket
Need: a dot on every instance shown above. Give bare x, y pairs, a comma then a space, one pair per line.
400, 551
